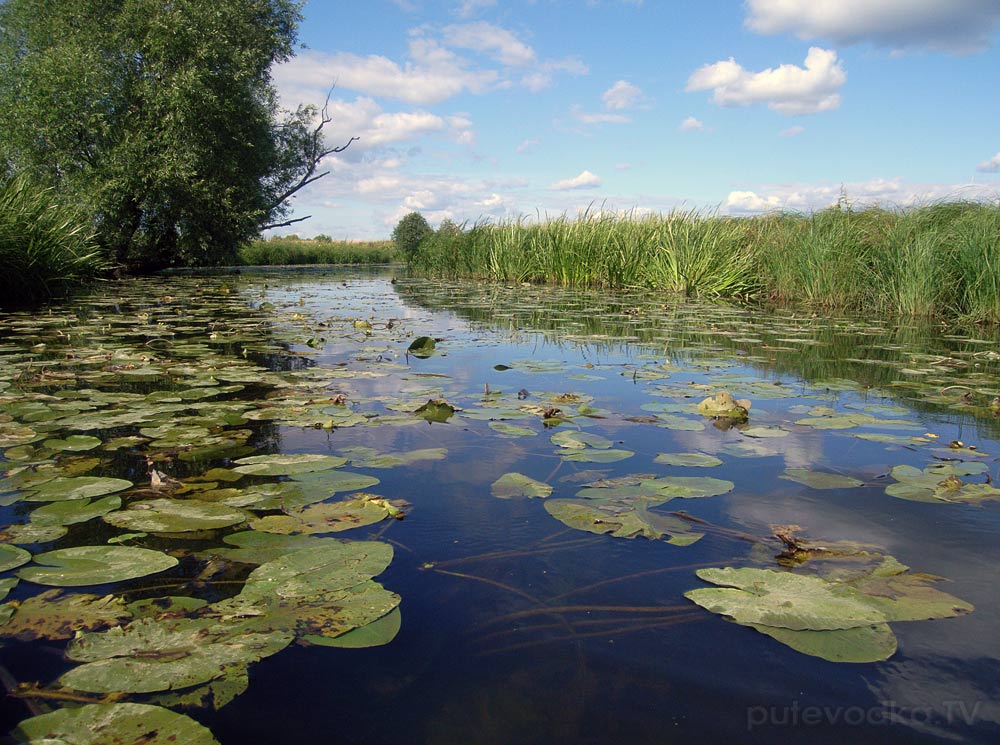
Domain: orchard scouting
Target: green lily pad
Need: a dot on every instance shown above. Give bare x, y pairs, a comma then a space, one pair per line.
579, 440
32, 533
849, 421
784, 600
76, 487
591, 455
286, 465
863, 644
73, 443
74, 511
820, 479
512, 485
56, 615
12, 557
330, 567
375, 634
621, 518
364, 457
330, 517
94, 565
422, 346
910, 597
698, 460
121, 724
689, 487
175, 516
160, 654
941, 482
511, 430
6, 585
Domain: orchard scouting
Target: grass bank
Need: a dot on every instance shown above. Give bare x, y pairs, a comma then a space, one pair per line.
938, 260
46, 248
282, 251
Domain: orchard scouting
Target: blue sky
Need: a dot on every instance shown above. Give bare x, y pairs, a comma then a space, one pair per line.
485, 109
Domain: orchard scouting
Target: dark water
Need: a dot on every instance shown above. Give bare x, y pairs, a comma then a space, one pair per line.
517, 628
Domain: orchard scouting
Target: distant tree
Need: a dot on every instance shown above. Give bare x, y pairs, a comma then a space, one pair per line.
323, 238
160, 118
409, 232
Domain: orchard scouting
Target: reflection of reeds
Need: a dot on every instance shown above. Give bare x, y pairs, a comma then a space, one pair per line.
936, 260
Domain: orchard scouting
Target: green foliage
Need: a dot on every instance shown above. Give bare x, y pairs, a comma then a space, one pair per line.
940, 260
46, 247
161, 120
409, 233
286, 250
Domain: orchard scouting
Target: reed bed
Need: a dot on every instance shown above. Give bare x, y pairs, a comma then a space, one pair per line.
286, 251
47, 248
939, 260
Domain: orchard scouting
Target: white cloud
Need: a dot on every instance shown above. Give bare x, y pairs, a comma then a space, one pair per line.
541, 75
622, 95
585, 179
961, 26
485, 38
886, 192
991, 165
527, 146
787, 89
585, 117
467, 8
792, 131
691, 125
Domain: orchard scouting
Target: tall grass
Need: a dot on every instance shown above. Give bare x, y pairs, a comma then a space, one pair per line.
46, 247
936, 260
284, 251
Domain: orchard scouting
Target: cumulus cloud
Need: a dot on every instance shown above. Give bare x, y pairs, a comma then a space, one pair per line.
584, 180
691, 125
585, 117
788, 89
494, 41
541, 76
792, 131
621, 95
961, 26
879, 191
992, 165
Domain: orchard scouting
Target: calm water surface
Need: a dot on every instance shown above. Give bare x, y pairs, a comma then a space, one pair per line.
518, 627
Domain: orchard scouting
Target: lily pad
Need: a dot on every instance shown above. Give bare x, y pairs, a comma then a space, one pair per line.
863, 644
592, 455
12, 557
175, 516
121, 724
621, 518
286, 465
820, 479
697, 460
784, 600
73, 443
375, 634
94, 565
579, 440
331, 517
74, 511
56, 615
689, 487
76, 487
512, 485
422, 346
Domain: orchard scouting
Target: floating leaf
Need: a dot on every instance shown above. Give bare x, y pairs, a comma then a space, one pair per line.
820, 479
863, 644
698, 460
331, 517
849, 421
511, 430
784, 600
12, 557
56, 615
369, 458
621, 518
160, 654
579, 440
422, 346
73, 443
74, 511
285, 465
591, 455
77, 487
175, 516
32, 533
687, 487
121, 724
518, 485
375, 634
94, 565
940, 482
436, 410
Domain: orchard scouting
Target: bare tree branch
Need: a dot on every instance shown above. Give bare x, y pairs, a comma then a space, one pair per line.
285, 224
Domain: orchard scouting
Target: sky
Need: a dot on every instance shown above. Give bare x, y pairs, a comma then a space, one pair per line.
490, 110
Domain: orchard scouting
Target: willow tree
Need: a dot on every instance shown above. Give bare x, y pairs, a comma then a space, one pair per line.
159, 117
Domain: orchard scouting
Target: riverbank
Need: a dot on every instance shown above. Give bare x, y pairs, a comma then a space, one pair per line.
295, 251
941, 260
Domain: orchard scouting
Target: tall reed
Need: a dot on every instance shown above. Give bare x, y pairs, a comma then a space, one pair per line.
46, 247
282, 251
936, 260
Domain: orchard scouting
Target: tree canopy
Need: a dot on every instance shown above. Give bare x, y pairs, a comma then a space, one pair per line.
159, 117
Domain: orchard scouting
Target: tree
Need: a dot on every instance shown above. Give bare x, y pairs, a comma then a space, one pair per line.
409, 232
160, 118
